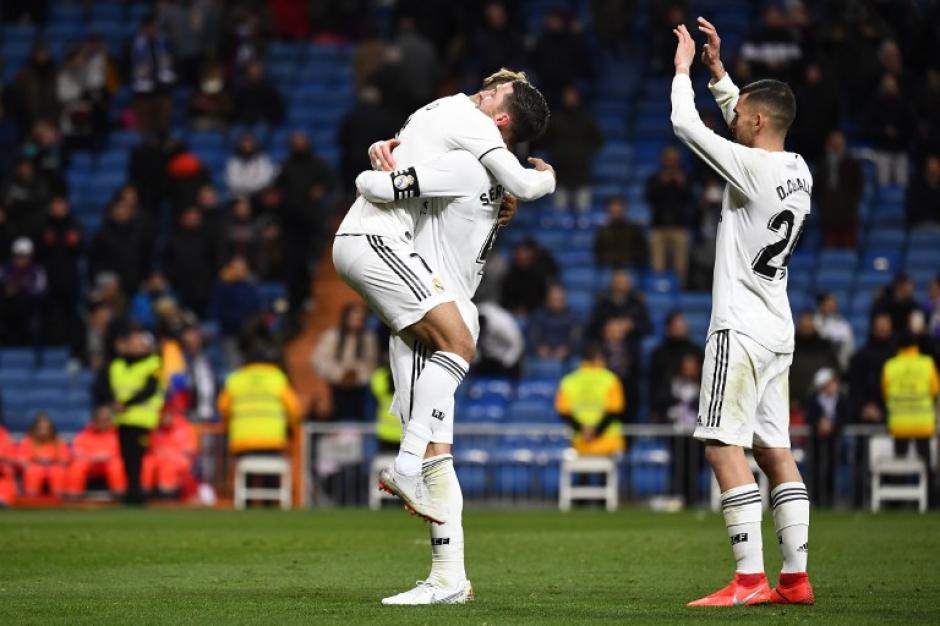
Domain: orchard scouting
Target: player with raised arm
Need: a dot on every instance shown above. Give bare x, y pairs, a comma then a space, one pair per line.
374, 253
456, 232
744, 400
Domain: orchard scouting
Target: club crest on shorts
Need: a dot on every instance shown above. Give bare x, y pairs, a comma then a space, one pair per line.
438, 285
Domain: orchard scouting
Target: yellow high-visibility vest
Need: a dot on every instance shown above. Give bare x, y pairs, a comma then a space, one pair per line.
910, 387
587, 394
387, 424
255, 399
127, 379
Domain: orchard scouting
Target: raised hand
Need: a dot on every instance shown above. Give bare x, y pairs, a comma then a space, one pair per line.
711, 51
541, 165
685, 49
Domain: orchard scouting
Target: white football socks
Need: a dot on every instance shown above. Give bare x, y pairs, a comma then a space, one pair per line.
790, 502
447, 568
742, 510
433, 397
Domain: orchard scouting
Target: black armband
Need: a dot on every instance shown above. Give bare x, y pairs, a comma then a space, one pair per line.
405, 184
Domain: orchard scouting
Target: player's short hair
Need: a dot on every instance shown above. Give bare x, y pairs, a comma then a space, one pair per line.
504, 75
776, 98
528, 112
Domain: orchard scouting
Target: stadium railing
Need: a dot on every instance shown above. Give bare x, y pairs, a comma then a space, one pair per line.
518, 464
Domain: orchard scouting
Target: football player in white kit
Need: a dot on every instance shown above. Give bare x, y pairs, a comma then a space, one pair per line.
374, 253
456, 232
744, 399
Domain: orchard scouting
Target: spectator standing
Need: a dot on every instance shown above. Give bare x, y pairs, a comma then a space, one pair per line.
256, 99
834, 328
60, 248
147, 172
811, 354
590, 400
703, 253
123, 245
676, 403
838, 187
826, 412
572, 140
200, 376
669, 194
153, 78
24, 287
240, 236
97, 454
622, 302
498, 42
235, 300
248, 170
889, 130
305, 183
387, 423
554, 331
34, 89
44, 148
923, 196
898, 301
44, 457
911, 386
345, 357
95, 348
820, 94
190, 260
143, 304
210, 107
667, 358
193, 29
867, 402
82, 89
560, 56
22, 196
620, 242
526, 281
359, 128
134, 389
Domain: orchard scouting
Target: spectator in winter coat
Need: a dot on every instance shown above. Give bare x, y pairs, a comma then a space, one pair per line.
572, 140
235, 297
669, 194
256, 99
811, 354
667, 357
34, 89
23, 289
248, 170
923, 196
152, 78
826, 411
620, 242
554, 331
833, 327
123, 245
345, 357
190, 260
526, 281
838, 187
59, 251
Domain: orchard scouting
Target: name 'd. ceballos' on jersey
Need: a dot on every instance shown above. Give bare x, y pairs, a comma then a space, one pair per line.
794, 185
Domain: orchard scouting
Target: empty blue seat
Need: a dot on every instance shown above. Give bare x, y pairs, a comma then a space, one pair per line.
580, 301
532, 410
886, 260
483, 411
661, 282
543, 369
886, 238
925, 239
695, 301
18, 357
870, 280
833, 279
489, 388
578, 278
271, 292
542, 389
861, 302
926, 258
833, 259
52, 378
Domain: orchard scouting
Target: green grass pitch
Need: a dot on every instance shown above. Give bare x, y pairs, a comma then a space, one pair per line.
527, 567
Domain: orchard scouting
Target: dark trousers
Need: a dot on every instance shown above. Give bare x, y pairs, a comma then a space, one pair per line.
822, 474
921, 451
134, 442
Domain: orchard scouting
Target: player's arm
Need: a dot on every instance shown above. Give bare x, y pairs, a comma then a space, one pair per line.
527, 184
445, 176
727, 158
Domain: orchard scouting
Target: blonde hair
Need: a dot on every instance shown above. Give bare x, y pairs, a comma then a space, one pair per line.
504, 75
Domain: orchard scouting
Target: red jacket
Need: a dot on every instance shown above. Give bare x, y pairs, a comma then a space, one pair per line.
51, 453
179, 438
96, 446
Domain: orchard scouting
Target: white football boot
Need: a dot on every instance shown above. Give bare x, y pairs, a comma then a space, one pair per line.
429, 593
413, 492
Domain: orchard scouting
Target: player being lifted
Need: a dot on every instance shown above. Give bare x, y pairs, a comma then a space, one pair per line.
374, 253
456, 233
744, 401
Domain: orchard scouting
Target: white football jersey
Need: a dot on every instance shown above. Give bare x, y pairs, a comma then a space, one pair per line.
447, 124
456, 225
764, 209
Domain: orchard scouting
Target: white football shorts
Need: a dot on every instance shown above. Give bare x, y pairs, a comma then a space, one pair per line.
398, 285
745, 394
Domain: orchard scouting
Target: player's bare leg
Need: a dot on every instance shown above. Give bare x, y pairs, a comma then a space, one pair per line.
790, 502
443, 330
741, 506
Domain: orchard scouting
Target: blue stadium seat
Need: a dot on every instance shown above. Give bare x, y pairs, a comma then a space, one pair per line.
542, 369
695, 301
661, 282
18, 357
536, 389
925, 240
532, 410
578, 278
269, 292
832, 279
488, 388
871, 280
834, 259
861, 302
52, 378
483, 411
926, 258
886, 239
882, 260
580, 301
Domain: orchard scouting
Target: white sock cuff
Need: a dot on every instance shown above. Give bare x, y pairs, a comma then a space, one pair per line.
416, 438
452, 363
742, 505
437, 457
790, 503
436, 465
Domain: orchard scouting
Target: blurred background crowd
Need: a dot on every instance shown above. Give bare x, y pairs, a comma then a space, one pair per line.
178, 167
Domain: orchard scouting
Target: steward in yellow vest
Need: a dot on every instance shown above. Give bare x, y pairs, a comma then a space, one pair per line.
134, 384
911, 385
590, 400
259, 406
387, 424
